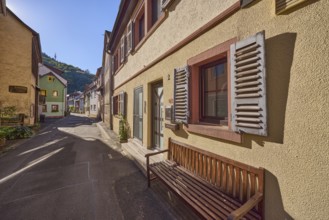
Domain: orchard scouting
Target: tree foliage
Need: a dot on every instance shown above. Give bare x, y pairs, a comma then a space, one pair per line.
76, 77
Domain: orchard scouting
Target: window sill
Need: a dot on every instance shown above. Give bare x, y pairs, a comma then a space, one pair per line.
220, 132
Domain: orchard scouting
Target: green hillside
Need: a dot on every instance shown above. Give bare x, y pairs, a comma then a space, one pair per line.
76, 77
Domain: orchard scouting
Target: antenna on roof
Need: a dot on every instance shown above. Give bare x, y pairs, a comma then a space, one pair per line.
55, 57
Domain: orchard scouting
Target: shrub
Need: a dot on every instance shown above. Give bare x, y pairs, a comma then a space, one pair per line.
123, 129
18, 132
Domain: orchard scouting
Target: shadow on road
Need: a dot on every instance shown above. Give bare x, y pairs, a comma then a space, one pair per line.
67, 172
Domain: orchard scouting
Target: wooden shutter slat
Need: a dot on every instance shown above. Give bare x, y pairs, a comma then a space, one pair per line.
246, 49
248, 125
249, 119
255, 89
248, 72
254, 95
247, 55
248, 91
244, 61
253, 114
247, 84
250, 66
248, 108
243, 79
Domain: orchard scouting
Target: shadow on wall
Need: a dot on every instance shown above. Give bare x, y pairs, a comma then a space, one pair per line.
302, 5
274, 208
173, 5
279, 58
181, 132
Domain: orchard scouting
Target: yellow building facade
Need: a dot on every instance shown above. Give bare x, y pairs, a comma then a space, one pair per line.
198, 35
20, 53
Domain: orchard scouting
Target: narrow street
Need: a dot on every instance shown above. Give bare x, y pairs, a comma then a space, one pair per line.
68, 172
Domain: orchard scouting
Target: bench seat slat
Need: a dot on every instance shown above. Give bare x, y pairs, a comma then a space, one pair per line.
171, 184
214, 192
194, 191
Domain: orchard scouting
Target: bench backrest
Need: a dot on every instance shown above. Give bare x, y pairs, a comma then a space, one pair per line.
238, 180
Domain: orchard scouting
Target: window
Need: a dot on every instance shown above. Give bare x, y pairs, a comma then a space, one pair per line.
141, 27
148, 17
115, 109
54, 108
227, 80
44, 108
115, 61
156, 10
214, 106
51, 78
55, 93
43, 92
118, 104
17, 89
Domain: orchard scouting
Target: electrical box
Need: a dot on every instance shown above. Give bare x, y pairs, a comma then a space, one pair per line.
169, 113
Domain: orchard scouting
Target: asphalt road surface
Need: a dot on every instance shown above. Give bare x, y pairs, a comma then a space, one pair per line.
67, 171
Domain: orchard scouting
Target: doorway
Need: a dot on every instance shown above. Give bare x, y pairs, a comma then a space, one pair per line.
157, 115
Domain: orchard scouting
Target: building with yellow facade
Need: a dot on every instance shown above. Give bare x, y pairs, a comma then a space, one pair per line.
20, 53
246, 80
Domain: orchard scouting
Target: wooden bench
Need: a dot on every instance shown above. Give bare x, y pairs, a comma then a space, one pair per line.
214, 186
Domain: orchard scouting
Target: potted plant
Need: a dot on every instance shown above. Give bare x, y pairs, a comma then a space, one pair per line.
123, 129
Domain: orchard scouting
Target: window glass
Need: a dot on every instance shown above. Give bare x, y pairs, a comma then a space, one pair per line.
55, 93
54, 108
156, 10
141, 26
43, 92
214, 78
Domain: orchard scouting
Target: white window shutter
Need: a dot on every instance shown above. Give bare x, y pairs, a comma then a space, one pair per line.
129, 37
181, 95
122, 51
122, 103
248, 86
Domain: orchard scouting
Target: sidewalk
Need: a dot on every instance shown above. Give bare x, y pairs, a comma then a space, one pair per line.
132, 148
136, 152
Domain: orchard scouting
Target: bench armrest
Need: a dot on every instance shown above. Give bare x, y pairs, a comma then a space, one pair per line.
245, 208
155, 153
148, 164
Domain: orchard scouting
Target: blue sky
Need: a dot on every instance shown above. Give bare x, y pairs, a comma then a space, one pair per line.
73, 29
